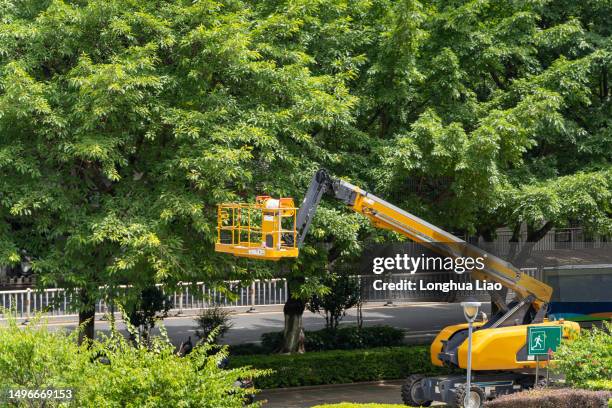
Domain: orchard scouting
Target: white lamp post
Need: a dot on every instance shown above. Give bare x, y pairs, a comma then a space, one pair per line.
470, 311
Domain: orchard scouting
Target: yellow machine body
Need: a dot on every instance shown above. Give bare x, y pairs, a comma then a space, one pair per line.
496, 348
263, 230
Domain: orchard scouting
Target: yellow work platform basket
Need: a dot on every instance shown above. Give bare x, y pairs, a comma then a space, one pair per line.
265, 229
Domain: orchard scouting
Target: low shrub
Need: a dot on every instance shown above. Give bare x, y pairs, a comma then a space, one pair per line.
344, 293
342, 338
588, 357
247, 349
339, 366
113, 372
552, 398
272, 341
213, 323
145, 308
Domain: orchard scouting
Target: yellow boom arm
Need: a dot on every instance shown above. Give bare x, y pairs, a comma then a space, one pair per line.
387, 216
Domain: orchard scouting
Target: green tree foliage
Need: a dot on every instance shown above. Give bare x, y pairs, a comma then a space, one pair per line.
113, 372
507, 118
495, 113
122, 124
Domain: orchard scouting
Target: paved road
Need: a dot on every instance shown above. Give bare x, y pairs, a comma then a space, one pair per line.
383, 392
416, 318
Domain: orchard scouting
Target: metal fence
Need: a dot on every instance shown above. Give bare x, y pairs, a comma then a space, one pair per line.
557, 238
59, 302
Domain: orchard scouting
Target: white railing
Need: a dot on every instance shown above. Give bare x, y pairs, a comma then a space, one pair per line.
557, 238
59, 302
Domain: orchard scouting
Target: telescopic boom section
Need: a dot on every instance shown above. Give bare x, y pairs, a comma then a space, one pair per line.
385, 215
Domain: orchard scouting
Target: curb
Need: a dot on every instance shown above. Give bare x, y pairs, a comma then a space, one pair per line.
241, 310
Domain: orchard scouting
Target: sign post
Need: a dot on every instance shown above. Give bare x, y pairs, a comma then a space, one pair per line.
542, 341
548, 358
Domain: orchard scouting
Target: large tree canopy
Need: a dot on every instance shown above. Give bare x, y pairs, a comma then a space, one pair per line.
123, 123
497, 114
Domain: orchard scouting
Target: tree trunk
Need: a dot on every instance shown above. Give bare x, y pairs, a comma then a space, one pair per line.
87, 315
515, 242
487, 236
293, 334
533, 236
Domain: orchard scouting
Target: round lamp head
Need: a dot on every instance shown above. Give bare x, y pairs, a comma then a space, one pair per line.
470, 309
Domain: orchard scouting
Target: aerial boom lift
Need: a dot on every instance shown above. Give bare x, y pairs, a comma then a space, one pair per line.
499, 349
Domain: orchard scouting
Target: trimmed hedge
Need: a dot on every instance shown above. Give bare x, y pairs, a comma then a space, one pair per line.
246, 349
343, 338
552, 398
340, 366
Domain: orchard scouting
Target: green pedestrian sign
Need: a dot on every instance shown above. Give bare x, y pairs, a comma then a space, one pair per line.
542, 339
